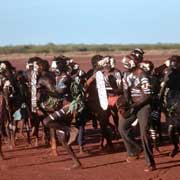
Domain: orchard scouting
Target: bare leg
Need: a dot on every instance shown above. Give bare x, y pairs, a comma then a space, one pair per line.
28, 133
35, 129
53, 142
172, 132
21, 127
8, 133
13, 134
62, 138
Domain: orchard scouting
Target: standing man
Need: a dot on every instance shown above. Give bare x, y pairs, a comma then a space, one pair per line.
138, 54
137, 91
113, 82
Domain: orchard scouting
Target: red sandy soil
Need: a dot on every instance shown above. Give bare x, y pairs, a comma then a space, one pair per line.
156, 56
30, 163
27, 163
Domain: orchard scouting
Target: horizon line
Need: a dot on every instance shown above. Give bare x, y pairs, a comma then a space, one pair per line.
89, 44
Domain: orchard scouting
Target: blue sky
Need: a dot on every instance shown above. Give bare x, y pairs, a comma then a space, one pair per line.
89, 21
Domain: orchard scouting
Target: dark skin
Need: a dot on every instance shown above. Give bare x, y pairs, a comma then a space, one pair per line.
47, 83
144, 98
46, 86
138, 103
172, 75
59, 125
94, 105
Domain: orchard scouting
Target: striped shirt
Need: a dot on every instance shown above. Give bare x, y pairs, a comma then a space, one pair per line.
138, 85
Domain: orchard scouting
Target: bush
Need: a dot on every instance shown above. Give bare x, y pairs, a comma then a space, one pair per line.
53, 48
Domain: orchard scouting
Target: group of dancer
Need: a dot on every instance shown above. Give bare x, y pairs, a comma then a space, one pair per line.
62, 97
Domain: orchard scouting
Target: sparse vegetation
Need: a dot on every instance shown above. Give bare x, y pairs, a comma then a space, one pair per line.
53, 48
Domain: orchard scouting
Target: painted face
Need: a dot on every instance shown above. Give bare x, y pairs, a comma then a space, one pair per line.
112, 62
167, 62
108, 62
76, 67
53, 66
2, 67
173, 62
69, 61
36, 67
128, 62
29, 65
145, 66
104, 62
138, 53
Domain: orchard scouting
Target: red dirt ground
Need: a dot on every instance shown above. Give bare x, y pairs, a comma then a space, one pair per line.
27, 163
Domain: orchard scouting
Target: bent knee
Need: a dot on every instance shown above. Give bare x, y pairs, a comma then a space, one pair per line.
46, 121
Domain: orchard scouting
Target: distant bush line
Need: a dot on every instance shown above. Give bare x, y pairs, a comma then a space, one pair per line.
54, 48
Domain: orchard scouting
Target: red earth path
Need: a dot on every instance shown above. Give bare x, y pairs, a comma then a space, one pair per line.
30, 163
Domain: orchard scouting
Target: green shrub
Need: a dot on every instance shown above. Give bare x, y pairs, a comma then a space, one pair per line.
53, 48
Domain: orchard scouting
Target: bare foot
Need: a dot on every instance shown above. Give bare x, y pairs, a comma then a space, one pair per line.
83, 152
75, 166
53, 153
36, 144
1, 156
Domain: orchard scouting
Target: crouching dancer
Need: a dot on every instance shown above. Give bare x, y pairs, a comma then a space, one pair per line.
137, 90
59, 120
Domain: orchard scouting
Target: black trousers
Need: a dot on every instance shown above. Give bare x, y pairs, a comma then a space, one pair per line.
174, 130
125, 129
